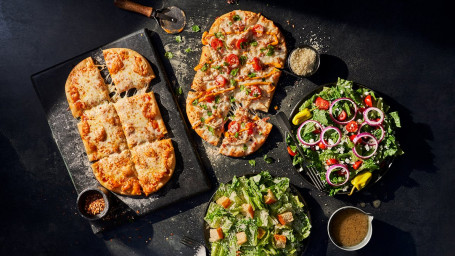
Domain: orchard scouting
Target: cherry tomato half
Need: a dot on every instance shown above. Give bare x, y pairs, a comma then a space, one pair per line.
352, 126
331, 161
352, 137
342, 116
233, 60
255, 91
233, 127
321, 145
322, 104
220, 80
241, 43
357, 164
368, 101
216, 44
257, 64
292, 153
250, 127
210, 99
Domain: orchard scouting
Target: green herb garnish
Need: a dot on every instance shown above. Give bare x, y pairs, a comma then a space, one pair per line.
178, 39
252, 162
168, 55
195, 28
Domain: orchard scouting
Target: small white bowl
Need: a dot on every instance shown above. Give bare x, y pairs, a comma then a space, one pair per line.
364, 241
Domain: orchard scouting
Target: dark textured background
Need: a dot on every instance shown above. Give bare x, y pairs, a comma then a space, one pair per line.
403, 49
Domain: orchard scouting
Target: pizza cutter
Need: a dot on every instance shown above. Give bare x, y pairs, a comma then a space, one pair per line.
171, 19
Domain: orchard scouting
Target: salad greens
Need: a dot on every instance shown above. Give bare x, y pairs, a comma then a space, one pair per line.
265, 226
342, 153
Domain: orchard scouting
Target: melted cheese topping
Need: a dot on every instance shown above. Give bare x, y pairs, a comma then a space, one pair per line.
86, 87
128, 69
117, 173
155, 163
101, 132
141, 119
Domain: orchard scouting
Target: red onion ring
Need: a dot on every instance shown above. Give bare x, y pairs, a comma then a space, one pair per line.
358, 138
371, 122
330, 128
380, 127
333, 104
299, 136
330, 170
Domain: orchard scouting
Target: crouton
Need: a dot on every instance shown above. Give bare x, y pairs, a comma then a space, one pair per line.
241, 238
216, 234
280, 241
224, 201
247, 210
270, 197
261, 233
285, 218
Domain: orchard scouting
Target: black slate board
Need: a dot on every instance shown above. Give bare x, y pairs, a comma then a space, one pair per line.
189, 177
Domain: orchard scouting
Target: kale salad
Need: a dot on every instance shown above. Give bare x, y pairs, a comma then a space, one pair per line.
347, 133
257, 215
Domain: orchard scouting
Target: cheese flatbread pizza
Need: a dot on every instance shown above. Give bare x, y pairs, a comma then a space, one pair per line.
155, 164
85, 88
117, 174
101, 132
128, 69
240, 60
245, 134
141, 119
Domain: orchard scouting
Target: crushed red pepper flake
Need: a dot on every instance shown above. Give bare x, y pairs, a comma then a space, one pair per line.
94, 204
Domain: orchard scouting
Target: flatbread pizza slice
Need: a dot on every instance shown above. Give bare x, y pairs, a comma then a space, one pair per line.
128, 69
85, 88
246, 134
101, 132
207, 112
116, 173
154, 163
141, 118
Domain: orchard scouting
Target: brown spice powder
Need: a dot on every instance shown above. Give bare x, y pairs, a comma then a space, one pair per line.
94, 204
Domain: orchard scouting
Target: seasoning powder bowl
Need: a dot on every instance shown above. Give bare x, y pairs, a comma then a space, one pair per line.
93, 203
350, 228
304, 61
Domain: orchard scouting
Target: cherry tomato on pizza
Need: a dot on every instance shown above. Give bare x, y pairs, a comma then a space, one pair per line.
250, 128
257, 64
241, 43
233, 60
220, 80
255, 91
216, 44
233, 127
258, 30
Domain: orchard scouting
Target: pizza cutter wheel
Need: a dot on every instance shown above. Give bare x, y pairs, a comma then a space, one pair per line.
171, 19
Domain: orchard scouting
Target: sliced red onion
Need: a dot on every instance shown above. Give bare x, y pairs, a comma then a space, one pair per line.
327, 129
331, 169
379, 126
338, 121
371, 122
364, 135
299, 132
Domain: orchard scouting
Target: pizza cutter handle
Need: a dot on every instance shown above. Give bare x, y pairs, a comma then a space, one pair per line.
134, 7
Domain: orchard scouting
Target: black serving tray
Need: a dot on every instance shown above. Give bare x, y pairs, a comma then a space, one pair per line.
189, 177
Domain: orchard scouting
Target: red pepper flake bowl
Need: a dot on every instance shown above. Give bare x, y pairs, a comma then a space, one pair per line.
93, 203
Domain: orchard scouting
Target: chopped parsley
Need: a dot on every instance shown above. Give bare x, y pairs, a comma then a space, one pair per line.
242, 125
232, 99
205, 67
195, 28
234, 71
209, 113
202, 120
217, 99
233, 82
226, 64
245, 147
178, 39
187, 50
219, 35
267, 159
243, 60
211, 129
252, 162
203, 106
254, 43
230, 23
242, 87
195, 102
236, 135
251, 75
179, 91
236, 17
168, 55
217, 67
271, 50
